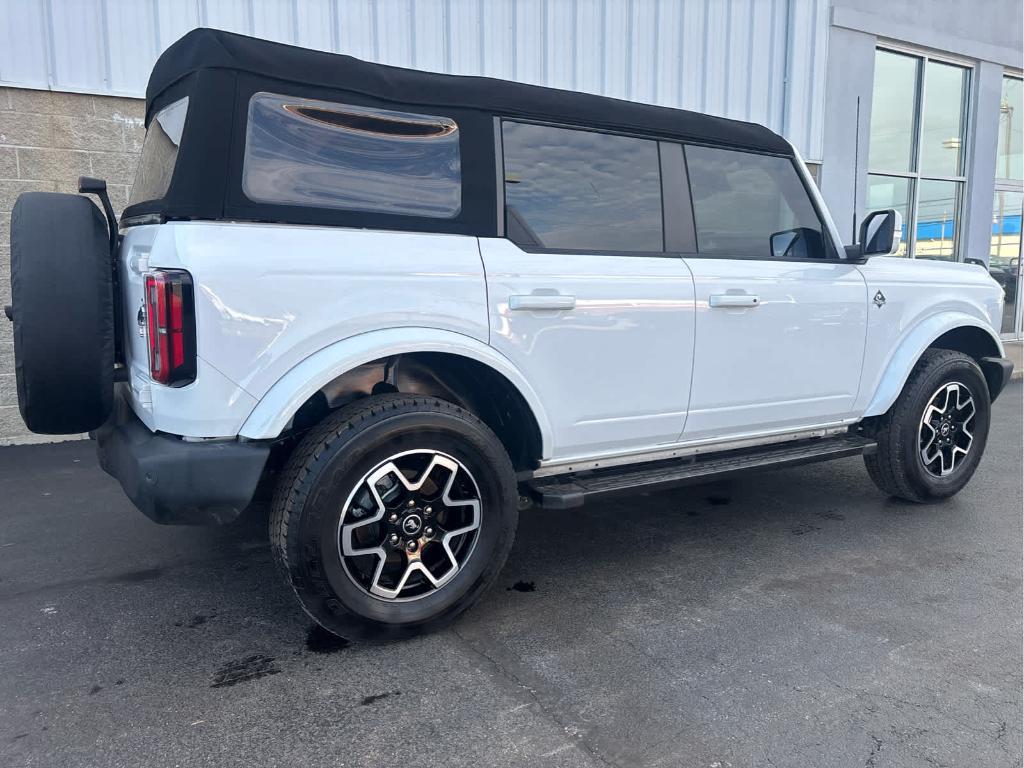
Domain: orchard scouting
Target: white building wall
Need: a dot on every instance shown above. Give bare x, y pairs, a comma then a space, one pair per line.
757, 60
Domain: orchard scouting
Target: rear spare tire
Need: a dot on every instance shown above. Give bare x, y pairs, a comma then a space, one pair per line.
63, 313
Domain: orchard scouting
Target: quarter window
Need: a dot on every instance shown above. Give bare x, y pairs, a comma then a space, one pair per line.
326, 155
159, 153
751, 206
581, 190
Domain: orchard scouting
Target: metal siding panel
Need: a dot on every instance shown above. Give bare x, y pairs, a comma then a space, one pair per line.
644, 60
588, 50
737, 59
531, 56
669, 61
464, 37
24, 54
314, 24
694, 59
131, 29
431, 36
716, 58
173, 19
725, 57
394, 32
274, 20
616, 55
78, 51
230, 15
498, 40
561, 42
356, 29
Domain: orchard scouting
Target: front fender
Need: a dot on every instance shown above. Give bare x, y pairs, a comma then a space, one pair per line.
277, 407
909, 351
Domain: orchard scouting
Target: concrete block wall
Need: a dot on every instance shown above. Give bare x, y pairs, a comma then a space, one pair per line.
48, 140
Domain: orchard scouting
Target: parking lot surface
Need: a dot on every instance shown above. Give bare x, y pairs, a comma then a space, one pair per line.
791, 618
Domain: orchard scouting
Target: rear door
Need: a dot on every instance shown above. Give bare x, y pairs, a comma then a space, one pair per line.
781, 318
583, 297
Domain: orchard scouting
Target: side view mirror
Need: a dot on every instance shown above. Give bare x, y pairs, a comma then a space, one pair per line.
881, 232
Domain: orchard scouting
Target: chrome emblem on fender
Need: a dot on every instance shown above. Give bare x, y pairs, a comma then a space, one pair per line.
879, 299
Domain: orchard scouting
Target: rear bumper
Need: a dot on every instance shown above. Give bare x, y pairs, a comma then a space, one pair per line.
174, 482
997, 372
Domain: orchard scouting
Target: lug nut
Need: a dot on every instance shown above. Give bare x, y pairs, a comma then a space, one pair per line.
412, 546
428, 511
428, 531
411, 503
393, 518
393, 538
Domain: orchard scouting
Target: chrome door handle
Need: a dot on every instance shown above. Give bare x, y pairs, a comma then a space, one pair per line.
734, 300
532, 301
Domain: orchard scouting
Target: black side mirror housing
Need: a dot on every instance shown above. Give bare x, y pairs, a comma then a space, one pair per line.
881, 233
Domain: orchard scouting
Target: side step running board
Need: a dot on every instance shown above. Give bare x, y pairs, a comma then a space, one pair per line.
567, 491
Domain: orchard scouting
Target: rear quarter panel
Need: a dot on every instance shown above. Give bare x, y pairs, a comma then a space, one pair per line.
268, 296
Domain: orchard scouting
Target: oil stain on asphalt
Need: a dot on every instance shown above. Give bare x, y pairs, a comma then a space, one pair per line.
523, 586
368, 700
249, 668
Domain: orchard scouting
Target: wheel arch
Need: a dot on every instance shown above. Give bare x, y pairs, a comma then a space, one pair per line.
957, 331
417, 361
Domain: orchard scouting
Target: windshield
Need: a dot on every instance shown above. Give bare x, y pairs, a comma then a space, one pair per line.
159, 151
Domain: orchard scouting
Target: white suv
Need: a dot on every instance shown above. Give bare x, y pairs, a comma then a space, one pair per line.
404, 305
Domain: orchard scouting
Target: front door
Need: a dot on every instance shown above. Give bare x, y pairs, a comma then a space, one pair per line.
583, 298
781, 318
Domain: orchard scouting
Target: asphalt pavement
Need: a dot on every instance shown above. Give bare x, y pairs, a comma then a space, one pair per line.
790, 618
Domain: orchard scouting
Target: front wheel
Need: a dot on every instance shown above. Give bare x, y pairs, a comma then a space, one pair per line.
931, 440
393, 516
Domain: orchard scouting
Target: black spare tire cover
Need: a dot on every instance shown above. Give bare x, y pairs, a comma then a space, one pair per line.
63, 300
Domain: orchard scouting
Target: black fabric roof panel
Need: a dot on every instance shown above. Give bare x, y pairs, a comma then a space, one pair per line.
203, 49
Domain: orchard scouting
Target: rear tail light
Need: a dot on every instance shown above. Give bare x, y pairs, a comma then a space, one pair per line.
171, 325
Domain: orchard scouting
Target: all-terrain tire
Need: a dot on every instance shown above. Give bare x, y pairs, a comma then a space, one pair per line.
314, 495
897, 467
63, 311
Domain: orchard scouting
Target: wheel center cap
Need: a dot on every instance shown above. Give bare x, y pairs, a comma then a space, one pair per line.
944, 430
412, 524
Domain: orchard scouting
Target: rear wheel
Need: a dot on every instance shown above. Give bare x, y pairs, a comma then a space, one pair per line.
931, 440
393, 516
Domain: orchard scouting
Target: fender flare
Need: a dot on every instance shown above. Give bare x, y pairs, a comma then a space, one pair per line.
902, 361
280, 403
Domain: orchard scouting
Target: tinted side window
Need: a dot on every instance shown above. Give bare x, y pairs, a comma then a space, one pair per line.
581, 190
325, 155
751, 206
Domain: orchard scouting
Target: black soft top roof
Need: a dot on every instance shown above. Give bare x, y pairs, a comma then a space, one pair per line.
210, 49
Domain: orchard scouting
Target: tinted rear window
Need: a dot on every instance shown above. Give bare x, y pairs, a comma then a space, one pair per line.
159, 153
327, 155
581, 190
741, 199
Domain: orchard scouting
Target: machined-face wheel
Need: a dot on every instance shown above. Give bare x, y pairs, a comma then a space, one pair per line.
946, 431
409, 525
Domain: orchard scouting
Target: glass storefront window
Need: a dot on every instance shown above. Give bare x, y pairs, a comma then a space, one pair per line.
891, 192
942, 119
937, 216
916, 149
1010, 157
1004, 252
892, 112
